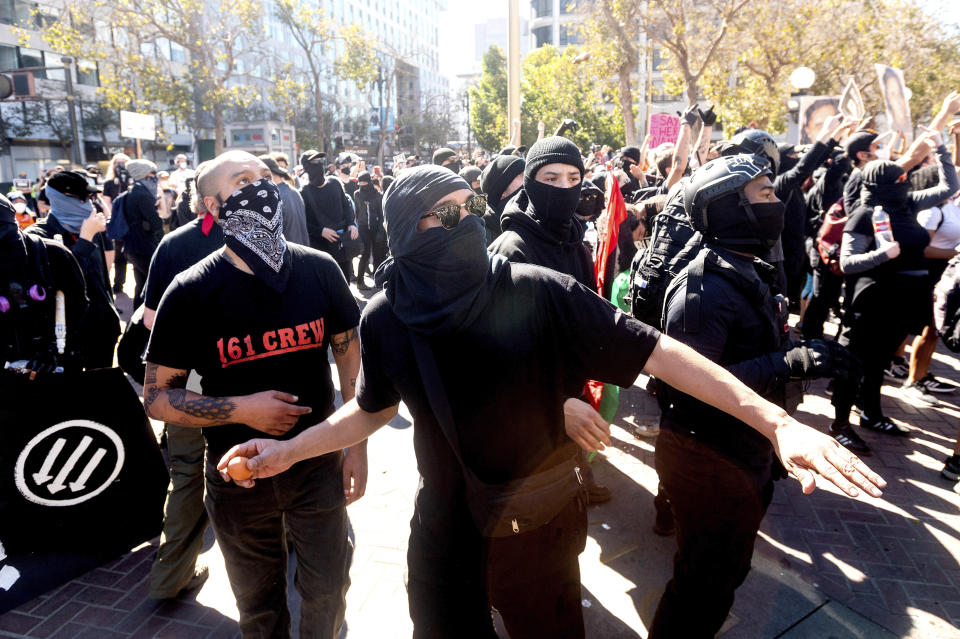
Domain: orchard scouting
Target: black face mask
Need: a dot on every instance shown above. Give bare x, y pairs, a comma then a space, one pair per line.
895, 194
454, 166
501, 204
315, 172
252, 220
552, 206
769, 221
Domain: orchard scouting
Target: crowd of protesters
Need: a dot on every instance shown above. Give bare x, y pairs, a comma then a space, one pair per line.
506, 288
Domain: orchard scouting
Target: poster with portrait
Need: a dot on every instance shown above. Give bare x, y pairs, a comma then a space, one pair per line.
896, 98
814, 111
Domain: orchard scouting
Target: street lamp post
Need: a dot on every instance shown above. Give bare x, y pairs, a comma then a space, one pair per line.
76, 150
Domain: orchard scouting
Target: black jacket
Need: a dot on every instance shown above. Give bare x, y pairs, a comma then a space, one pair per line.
739, 325
524, 240
327, 206
368, 205
146, 227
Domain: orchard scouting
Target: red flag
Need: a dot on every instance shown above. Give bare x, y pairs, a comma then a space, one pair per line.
616, 214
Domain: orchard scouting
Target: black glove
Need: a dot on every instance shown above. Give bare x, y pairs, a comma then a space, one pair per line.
709, 117
691, 115
815, 358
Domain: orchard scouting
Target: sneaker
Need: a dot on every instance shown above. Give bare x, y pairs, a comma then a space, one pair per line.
918, 393
897, 369
883, 425
829, 390
848, 438
934, 385
951, 468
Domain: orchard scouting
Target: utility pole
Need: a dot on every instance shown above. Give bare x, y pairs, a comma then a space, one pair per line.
381, 115
513, 65
76, 148
466, 105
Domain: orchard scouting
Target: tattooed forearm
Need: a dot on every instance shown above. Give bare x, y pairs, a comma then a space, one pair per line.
150, 395
216, 410
341, 343
353, 382
150, 377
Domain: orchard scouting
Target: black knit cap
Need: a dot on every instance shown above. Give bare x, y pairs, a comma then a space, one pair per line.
858, 141
363, 176
631, 152
554, 149
443, 154
881, 172
498, 175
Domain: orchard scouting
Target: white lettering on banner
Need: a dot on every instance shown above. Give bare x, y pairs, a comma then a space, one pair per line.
74, 435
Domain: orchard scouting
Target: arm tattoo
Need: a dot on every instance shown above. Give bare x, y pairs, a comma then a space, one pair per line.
150, 395
218, 409
178, 380
353, 382
151, 375
340, 343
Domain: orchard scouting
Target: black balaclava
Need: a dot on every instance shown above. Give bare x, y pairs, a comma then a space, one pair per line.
365, 183
252, 220
737, 224
884, 184
437, 281
788, 158
553, 207
312, 162
591, 203
496, 177
631, 152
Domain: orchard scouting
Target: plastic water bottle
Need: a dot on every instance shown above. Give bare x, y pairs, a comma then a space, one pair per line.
881, 226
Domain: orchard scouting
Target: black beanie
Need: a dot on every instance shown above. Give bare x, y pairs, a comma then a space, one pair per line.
363, 176
552, 150
631, 152
881, 172
443, 154
498, 175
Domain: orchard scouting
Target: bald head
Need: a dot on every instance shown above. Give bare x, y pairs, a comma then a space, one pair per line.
218, 178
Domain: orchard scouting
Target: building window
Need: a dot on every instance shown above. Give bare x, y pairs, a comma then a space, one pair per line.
87, 73
8, 57
541, 36
542, 8
569, 35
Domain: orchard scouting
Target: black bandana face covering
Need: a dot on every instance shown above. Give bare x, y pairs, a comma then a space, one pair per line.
252, 220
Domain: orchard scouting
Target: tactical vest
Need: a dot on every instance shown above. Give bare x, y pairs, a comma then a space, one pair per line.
772, 306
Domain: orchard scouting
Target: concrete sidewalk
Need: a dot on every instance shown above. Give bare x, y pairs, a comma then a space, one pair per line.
825, 565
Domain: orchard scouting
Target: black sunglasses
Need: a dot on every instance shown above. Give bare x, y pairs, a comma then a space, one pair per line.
449, 215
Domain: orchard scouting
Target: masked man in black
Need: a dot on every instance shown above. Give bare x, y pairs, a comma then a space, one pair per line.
454, 324
329, 211
718, 470
255, 320
500, 181
368, 202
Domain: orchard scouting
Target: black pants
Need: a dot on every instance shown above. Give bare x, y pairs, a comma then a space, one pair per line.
374, 248
532, 579
249, 523
141, 266
718, 506
877, 320
119, 266
826, 292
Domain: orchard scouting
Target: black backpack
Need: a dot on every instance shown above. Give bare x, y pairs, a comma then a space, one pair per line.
673, 245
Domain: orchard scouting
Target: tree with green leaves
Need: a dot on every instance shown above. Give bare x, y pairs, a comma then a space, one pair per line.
555, 87
611, 37
488, 101
317, 36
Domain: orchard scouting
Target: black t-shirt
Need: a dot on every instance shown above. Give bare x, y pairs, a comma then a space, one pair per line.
243, 337
178, 251
506, 375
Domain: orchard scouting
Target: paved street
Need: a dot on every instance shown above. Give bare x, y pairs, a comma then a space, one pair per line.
825, 565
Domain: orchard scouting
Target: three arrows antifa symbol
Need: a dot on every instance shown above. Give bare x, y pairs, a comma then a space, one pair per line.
80, 483
51, 492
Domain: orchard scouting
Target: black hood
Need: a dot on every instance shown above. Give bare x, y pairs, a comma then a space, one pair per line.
517, 212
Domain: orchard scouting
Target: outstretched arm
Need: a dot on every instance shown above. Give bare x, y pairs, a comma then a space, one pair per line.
346, 427
803, 451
